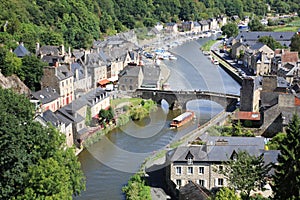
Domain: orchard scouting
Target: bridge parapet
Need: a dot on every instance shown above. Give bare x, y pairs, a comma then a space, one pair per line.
181, 97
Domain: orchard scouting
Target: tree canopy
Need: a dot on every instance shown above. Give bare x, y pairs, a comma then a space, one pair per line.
230, 30
270, 42
287, 171
245, 172
295, 43
33, 157
78, 22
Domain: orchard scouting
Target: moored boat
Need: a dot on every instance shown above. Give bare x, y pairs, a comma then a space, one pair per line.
182, 119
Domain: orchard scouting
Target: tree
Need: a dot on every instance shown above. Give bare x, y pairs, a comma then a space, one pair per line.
274, 143
32, 153
230, 30
9, 62
137, 189
31, 72
295, 43
255, 25
270, 42
226, 194
245, 172
287, 172
105, 116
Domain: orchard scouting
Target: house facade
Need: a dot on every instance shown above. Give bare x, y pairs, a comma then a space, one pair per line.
130, 78
48, 99
201, 163
61, 79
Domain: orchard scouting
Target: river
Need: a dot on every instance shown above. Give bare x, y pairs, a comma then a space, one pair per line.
109, 163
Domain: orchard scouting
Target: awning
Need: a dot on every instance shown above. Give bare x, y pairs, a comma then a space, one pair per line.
104, 82
243, 115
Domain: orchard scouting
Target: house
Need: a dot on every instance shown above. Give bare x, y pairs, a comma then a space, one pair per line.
187, 26
130, 78
132, 58
258, 58
53, 55
200, 163
96, 100
61, 79
151, 77
197, 27
222, 20
76, 113
82, 80
58, 121
237, 50
204, 25
284, 38
46, 99
171, 27
21, 51
213, 24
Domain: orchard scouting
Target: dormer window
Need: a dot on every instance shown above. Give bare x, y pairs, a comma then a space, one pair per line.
189, 157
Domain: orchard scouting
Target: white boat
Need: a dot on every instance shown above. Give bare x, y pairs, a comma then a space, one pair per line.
172, 57
215, 62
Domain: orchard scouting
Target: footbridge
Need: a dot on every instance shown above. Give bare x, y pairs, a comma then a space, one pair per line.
179, 98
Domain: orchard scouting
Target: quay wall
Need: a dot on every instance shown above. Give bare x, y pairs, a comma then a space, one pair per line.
228, 67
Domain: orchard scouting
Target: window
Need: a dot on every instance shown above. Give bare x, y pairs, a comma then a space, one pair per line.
190, 170
201, 182
190, 161
130, 80
201, 170
178, 182
220, 168
220, 182
178, 170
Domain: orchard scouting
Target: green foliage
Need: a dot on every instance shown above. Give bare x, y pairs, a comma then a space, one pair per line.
137, 189
226, 194
9, 62
295, 43
275, 142
234, 130
230, 30
287, 171
270, 42
245, 172
255, 25
27, 148
106, 116
88, 118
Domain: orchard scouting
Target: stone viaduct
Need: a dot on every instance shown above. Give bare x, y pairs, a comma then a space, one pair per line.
179, 99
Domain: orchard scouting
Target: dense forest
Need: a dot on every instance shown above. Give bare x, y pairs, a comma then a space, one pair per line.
78, 22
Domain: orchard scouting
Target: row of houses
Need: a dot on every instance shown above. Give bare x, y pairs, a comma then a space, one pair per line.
72, 83
261, 59
196, 26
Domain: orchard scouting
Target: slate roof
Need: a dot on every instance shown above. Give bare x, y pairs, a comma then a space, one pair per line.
203, 22
51, 117
284, 38
46, 95
218, 149
194, 191
282, 83
21, 51
50, 50
95, 93
130, 71
151, 75
257, 46
77, 66
63, 72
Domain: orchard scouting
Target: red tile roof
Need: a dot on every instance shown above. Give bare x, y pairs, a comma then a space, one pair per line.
291, 57
244, 115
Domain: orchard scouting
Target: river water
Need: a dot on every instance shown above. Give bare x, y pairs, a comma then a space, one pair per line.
109, 163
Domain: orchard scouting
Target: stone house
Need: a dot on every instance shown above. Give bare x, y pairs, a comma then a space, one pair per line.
132, 58
171, 27
96, 100
130, 78
76, 113
46, 99
60, 122
201, 163
197, 27
204, 25
61, 79
249, 38
258, 58
53, 55
237, 50
187, 26
82, 80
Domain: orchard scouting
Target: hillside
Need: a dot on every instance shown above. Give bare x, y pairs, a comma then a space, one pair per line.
78, 22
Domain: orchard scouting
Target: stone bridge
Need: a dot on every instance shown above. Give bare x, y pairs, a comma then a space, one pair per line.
179, 99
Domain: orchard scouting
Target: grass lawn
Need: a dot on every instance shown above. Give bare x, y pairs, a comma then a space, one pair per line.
206, 46
292, 26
